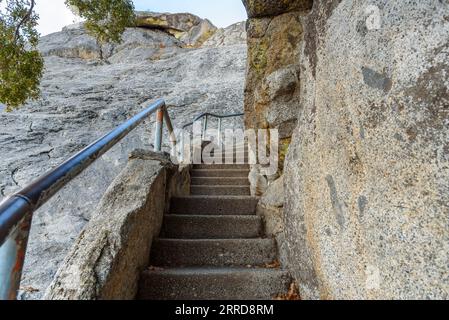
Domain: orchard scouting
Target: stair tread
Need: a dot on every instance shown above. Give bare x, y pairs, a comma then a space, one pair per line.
220, 181
213, 252
218, 190
199, 283
210, 226
212, 270
220, 170
219, 186
216, 197
215, 241
233, 179
213, 204
211, 214
242, 173
221, 166
216, 216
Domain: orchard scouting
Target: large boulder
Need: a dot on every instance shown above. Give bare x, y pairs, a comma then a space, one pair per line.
188, 28
270, 8
367, 174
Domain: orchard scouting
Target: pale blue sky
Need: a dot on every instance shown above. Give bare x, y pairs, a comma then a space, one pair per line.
54, 15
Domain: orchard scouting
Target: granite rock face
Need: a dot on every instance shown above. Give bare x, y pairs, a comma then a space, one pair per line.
271, 209
234, 34
367, 173
82, 99
275, 35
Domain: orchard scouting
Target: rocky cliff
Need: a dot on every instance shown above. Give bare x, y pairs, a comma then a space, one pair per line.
366, 200
82, 99
275, 36
368, 169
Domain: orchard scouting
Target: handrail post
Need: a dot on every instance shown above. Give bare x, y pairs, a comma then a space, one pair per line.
205, 123
219, 131
159, 129
13, 249
171, 131
181, 160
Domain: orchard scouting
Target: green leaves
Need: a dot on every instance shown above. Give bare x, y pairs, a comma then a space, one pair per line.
21, 65
106, 20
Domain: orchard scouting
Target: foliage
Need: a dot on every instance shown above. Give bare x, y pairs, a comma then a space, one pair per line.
106, 20
21, 65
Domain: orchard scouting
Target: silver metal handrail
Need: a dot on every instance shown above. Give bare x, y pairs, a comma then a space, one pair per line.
17, 210
206, 117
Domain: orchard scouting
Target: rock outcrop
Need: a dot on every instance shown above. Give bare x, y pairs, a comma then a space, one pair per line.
191, 30
82, 99
229, 36
269, 8
137, 45
275, 35
367, 174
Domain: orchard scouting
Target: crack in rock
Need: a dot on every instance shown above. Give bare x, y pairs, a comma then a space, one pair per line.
43, 153
13, 173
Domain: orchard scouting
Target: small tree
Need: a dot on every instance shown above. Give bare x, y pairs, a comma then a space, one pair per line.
21, 64
106, 20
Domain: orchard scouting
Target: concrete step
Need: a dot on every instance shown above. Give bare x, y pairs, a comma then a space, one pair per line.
220, 190
221, 166
225, 152
211, 252
213, 284
220, 181
226, 160
211, 227
224, 155
219, 173
213, 205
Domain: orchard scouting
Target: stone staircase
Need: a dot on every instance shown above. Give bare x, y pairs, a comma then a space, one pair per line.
212, 245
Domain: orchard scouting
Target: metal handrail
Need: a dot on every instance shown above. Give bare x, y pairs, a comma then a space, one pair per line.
213, 115
206, 121
17, 210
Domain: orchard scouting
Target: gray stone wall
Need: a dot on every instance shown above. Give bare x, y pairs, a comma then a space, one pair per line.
367, 173
274, 36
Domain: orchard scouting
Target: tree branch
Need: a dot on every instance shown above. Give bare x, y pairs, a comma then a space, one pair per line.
25, 18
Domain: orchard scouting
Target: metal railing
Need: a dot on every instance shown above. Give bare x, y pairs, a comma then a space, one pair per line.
205, 117
17, 210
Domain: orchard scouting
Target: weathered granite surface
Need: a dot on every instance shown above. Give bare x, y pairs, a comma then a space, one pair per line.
275, 34
234, 34
367, 174
82, 99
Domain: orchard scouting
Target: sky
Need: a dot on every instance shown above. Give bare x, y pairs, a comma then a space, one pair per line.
54, 14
